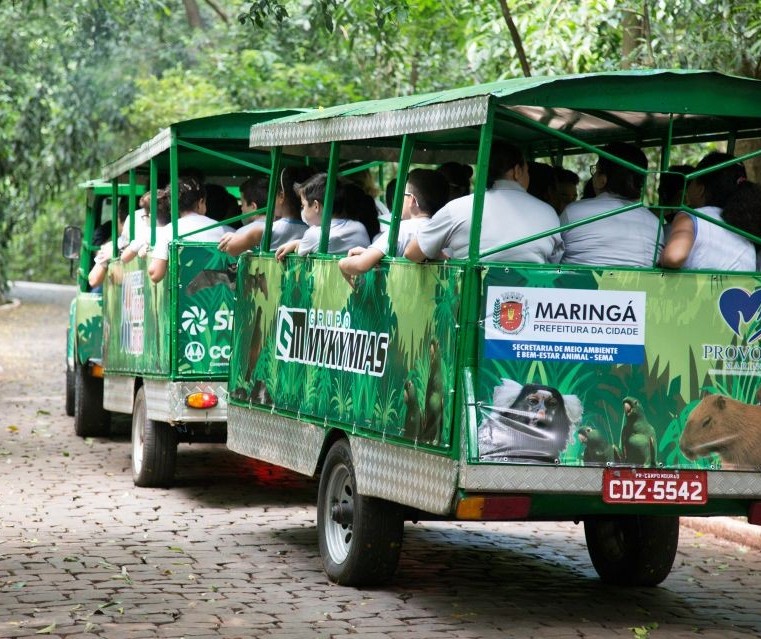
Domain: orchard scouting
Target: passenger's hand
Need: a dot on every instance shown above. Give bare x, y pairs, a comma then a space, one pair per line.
357, 250
225, 241
288, 247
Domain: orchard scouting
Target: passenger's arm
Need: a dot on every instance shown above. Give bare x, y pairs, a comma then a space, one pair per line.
680, 242
157, 270
414, 252
97, 274
358, 262
236, 243
129, 254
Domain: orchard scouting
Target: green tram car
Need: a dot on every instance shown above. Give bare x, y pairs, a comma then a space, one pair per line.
84, 332
393, 390
166, 346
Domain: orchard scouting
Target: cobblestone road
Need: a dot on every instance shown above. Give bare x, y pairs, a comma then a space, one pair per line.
231, 550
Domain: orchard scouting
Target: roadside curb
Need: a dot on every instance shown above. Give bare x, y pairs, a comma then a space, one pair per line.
734, 529
10, 305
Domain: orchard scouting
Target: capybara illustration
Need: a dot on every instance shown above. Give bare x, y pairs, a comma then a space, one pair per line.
726, 426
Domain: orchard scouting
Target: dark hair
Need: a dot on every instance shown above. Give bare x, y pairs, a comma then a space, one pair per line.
102, 234
458, 178
390, 192
589, 189
190, 193
289, 177
672, 184
620, 180
542, 181
719, 185
255, 190
313, 188
163, 214
565, 175
743, 208
504, 156
220, 204
353, 203
430, 188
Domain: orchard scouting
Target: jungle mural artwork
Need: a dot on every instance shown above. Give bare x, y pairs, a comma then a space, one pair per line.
599, 368
376, 356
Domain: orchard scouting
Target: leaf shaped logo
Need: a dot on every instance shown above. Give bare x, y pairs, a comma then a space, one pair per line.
194, 320
736, 304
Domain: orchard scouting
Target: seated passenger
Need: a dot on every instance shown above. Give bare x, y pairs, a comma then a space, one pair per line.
624, 239
509, 214
253, 196
287, 225
427, 191
671, 188
566, 189
98, 272
192, 208
354, 218
142, 228
542, 182
458, 176
725, 195
221, 204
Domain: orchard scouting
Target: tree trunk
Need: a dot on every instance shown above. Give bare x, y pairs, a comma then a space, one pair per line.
516, 38
193, 14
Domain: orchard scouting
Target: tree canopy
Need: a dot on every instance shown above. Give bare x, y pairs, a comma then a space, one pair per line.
83, 81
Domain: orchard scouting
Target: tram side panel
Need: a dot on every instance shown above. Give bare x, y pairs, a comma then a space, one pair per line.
310, 352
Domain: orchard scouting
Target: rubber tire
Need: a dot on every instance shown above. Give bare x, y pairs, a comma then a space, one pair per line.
365, 552
154, 447
90, 418
70, 390
632, 550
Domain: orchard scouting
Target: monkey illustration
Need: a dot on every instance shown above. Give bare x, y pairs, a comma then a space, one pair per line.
256, 344
726, 426
531, 422
597, 449
638, 438
414, 419
211, 277
434, 397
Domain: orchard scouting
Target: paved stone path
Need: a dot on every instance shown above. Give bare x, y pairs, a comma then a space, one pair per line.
231, 550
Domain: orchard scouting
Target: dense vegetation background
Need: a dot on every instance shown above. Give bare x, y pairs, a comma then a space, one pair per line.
83, 81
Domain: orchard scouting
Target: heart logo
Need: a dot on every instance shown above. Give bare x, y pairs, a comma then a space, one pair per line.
737, 303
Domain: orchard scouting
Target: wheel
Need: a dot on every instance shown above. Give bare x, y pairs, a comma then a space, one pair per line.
90, 418
632, 550
360, 538
70, 390
154, 447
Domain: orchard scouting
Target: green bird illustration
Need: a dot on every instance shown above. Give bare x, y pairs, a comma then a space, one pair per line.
638, 438
597, 449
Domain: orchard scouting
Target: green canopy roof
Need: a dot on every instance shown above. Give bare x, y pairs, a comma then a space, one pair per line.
227, 134
597, 108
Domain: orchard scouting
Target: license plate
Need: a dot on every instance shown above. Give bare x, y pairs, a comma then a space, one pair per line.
650, 486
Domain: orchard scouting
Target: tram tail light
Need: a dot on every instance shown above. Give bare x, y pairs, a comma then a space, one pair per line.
754, 513
494, 507
201, 400
96, 370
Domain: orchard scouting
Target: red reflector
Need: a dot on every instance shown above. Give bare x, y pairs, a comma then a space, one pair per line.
754, 513
201, 400
497, 508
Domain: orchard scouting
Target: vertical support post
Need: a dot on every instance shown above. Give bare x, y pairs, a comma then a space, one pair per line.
114, 217
154, 186
132, 203
330, 194
276, 156
405, 158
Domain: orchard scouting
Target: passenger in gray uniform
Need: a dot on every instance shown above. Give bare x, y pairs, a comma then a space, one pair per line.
509, 214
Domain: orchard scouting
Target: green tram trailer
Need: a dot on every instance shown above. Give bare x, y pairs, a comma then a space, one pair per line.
415, 392
166, 346
84, 332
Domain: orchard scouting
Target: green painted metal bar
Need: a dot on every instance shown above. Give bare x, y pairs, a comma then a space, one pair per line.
330, 193
224, 156
360, 168
405, 158
479, 192
132, 203
114, 218
174, 187
532, 124
665, 163
276, 156
566, 227
154, 186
